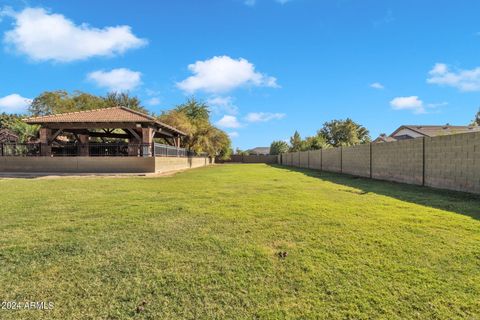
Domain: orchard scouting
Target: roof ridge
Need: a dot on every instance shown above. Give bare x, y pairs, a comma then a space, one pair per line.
73, 112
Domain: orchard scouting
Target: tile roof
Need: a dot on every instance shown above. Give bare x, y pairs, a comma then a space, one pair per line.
115, 114
433, 131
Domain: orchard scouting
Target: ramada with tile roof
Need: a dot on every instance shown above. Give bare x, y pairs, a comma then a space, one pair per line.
138, 128
417, 131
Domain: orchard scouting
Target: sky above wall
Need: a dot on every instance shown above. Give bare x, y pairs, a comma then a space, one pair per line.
266, 67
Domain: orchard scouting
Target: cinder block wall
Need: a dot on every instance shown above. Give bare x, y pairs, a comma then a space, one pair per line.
453, 162
316, 159
331, 160
356, 160
304, 159
400, 161
99, 164
296, 159
446, 162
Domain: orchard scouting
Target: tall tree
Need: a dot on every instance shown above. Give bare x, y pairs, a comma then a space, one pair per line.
314, 143
50, 102
344, 133
196, 111
123, 99
278, 147
295, 142
476, 121
193, 118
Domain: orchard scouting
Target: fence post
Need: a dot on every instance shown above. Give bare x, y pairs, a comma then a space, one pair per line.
371, 161
341, 159
321, 160
1, 149
423, 161
308, 159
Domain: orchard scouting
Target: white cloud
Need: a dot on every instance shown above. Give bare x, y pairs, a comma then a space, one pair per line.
121, 79
252, 3
412, 103
233, 134
229, 122
153, 101
464, 80
377, 85
263, 116
43, 36
223, 74
219, 104
14, 103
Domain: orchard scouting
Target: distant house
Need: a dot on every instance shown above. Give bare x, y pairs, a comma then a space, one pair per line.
7, 136
418, 131
259, 151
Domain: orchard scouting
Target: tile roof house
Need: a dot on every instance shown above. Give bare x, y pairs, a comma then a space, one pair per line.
418, 131
7, 136
259, 151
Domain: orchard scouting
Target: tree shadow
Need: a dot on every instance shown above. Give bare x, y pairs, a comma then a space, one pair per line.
453, 201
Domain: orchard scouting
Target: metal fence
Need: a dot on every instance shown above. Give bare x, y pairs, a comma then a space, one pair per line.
94, 150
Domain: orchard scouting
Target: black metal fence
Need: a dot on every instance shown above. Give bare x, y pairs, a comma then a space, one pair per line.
93, 150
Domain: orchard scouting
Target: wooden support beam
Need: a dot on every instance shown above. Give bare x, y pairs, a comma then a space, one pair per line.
54, 136
133, 133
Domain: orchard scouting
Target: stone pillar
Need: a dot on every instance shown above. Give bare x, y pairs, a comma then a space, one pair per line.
134, 144
84, 147
147, 139
45, 147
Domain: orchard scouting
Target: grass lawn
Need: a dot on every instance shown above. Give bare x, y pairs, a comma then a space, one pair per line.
204, 244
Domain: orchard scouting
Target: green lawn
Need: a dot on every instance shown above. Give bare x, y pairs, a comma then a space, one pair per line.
204, 244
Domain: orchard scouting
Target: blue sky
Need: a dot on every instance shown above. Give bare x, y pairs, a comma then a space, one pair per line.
267, 67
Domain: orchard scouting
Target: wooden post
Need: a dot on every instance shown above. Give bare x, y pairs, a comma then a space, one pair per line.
147, 140
45, 147
84, 146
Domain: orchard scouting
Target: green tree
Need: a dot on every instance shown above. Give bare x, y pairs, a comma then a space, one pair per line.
314, 143
296, 142
196, 111
193, 118
15, 124
344, 133
278, 147
51, 102
123, 99
476, 121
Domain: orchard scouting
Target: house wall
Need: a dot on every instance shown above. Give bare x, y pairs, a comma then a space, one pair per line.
446, 162
408, 132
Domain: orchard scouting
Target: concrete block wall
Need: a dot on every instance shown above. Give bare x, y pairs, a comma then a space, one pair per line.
453, 162
400, 161
332, 160
99, 164
356, 160
303, 159
446, 162
315, 159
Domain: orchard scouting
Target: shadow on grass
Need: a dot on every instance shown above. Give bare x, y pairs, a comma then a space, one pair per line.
458, 202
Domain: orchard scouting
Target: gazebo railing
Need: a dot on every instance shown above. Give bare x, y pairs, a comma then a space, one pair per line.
20, 149
163, 150
93, 150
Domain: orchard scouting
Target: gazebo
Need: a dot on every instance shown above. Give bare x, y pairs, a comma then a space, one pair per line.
118, 123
